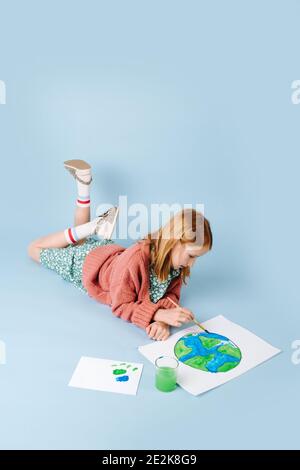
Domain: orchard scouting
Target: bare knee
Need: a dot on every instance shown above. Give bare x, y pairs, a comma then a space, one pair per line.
33, 251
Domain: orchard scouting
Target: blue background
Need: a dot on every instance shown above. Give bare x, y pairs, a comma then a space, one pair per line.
186, 102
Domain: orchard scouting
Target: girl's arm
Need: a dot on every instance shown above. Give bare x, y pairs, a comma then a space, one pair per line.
125, 304
124, 293
168, 314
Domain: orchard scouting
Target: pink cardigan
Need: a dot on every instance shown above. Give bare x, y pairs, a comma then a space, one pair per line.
119, 277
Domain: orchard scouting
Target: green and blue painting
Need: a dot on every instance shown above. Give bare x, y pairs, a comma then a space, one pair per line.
209, 352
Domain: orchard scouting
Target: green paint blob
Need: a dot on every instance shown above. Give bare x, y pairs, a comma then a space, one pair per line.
119, 371
209, 342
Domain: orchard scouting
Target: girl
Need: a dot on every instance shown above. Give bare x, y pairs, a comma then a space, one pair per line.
134, 281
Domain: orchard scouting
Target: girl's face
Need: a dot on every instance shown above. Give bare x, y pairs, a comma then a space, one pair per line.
185, 254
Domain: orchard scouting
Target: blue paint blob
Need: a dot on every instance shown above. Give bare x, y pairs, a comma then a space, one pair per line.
122, 378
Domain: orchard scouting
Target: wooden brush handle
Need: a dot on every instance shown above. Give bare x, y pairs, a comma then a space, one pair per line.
195, 321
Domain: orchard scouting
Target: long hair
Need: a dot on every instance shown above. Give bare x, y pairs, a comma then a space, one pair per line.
186, 226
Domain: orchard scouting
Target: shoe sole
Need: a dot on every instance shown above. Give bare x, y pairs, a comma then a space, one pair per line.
77, 165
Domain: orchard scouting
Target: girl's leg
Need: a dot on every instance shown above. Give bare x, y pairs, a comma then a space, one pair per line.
103, 226
54, 240
82, 215
69, 236
82, 174
83, 181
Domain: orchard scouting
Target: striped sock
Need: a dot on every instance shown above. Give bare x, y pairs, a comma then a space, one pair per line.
83, 198
83, 201
74, 234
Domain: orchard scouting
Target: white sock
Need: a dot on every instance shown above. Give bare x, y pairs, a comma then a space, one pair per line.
83, 198
74, 234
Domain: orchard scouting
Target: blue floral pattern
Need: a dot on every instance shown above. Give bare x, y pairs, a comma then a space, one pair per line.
68, 263
158, 288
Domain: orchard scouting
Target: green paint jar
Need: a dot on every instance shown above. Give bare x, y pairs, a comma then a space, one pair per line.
166, 373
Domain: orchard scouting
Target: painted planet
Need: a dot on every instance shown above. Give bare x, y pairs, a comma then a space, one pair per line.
209, 352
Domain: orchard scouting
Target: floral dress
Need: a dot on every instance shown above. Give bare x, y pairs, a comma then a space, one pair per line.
68, 263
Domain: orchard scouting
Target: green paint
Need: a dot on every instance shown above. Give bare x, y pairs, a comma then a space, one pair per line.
136, 368
227, 366
231, 351
119, 371
209, 342
181, 349
205, 351
199, 362
165, 379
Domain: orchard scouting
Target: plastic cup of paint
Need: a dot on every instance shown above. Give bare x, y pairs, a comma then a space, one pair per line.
166, 373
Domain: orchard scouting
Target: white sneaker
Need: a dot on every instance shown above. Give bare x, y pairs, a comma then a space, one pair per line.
106, 223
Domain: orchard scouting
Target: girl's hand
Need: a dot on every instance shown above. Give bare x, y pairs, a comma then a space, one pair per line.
158, 330
174, 316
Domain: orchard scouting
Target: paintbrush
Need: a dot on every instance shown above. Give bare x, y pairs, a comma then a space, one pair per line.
194, 320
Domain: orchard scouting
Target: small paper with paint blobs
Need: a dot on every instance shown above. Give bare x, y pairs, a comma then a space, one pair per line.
107, 375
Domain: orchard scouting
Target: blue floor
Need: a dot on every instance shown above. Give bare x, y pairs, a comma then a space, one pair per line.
48, 325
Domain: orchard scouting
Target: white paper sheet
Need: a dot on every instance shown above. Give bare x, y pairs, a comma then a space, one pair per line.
107, 375
254, 351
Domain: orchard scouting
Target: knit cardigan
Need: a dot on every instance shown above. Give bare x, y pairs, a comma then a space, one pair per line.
119, 277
